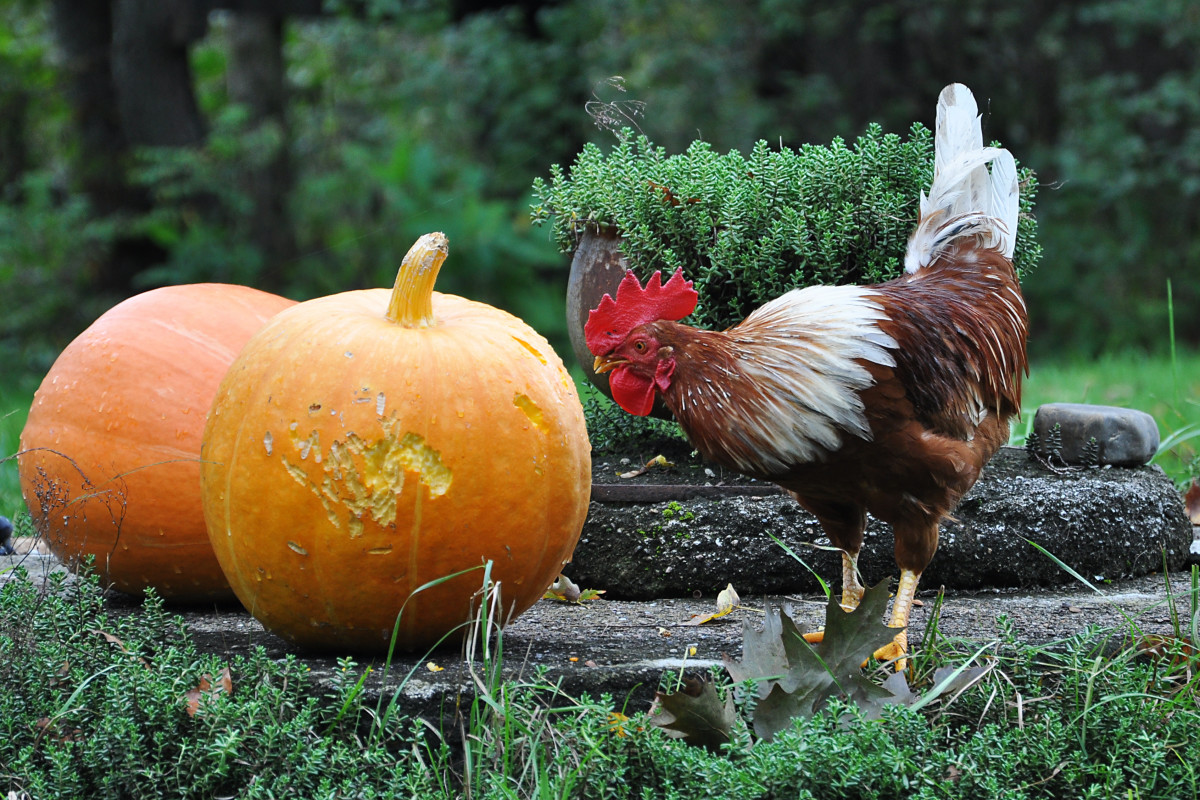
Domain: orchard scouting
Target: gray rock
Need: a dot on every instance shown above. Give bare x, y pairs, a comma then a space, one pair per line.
1090, 435
1105, 523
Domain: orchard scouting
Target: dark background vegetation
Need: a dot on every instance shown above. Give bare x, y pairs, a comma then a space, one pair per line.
301, 147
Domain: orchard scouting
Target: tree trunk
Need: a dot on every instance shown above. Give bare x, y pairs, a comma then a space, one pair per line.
255, 79
152, 73
83, 29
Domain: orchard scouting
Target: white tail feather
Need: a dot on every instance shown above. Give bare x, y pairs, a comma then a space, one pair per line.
965, 199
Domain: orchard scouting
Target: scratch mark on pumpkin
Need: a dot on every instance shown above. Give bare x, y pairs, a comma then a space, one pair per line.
306, 445
268, 439
301, 478
296, 548
531, 410
365, 478
536, 352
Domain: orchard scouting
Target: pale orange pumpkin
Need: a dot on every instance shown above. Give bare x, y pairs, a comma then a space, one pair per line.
370, 442
110, 453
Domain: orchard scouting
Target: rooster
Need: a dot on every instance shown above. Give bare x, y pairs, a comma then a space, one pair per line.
886, 399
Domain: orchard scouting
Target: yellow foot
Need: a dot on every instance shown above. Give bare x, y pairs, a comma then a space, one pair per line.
901, 607
891, 651
895, 652
851, 598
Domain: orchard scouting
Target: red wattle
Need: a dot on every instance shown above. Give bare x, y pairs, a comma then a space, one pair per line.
632, 392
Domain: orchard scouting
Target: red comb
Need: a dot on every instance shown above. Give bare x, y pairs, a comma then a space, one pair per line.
611, 321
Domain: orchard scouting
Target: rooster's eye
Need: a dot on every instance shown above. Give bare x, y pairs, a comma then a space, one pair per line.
639, 346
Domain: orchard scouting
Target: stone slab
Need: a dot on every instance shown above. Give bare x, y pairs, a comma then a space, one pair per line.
1105, 523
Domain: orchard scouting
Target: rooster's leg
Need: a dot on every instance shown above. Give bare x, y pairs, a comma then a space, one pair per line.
852, 593
906, 592
852, 590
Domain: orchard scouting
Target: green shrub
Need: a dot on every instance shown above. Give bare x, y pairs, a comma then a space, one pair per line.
747, 229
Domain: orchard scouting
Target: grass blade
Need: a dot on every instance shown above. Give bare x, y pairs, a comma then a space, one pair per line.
1065, 567
796, 556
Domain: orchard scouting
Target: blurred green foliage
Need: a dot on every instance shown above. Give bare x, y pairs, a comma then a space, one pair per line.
403, 118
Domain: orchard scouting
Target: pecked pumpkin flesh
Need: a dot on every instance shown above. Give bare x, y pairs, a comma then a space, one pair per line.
109, 456
370, 442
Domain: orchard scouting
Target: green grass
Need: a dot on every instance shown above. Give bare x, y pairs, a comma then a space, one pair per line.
1167, 390
15, 398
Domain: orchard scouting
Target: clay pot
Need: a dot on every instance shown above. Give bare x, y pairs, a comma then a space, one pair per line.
596, 270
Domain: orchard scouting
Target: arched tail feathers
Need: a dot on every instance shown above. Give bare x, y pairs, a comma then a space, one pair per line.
965, 199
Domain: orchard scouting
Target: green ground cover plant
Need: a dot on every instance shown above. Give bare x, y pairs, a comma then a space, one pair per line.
97, 704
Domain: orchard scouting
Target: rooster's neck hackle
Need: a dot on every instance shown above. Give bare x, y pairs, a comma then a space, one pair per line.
783, 386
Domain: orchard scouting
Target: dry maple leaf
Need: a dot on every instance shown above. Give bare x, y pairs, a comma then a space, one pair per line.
796, 679
695, 714
208, 691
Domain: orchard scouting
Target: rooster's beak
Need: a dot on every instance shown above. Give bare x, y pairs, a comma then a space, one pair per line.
604, 364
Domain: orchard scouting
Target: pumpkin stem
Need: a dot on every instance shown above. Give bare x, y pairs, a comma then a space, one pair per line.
412, 296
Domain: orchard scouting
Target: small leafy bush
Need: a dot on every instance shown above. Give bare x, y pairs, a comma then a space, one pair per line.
612, 430
749, 228
96, 705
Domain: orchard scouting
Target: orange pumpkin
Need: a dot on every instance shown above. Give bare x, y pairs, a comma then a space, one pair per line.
109, 459
370, 442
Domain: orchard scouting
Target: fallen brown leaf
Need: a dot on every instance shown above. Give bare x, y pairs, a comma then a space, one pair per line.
208, 691
63, 673
616, 723
565, 590
1162, 647
727, 601
1191, 499
657, 461
115, 640
48, 728
696, 713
